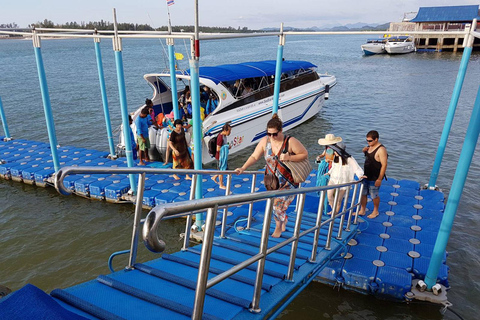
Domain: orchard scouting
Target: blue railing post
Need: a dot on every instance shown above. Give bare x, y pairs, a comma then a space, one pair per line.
4, 122
173, 78
197, 131
469, 144
278, 71
47, 107
451, 109
106, 112
117, 47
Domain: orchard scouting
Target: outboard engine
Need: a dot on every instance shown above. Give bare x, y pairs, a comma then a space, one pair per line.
327, 90
152, 151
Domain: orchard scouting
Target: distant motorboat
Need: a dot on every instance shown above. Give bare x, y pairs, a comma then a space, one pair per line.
400, 44
374, 46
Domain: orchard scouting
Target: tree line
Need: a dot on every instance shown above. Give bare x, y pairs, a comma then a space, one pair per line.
106, 25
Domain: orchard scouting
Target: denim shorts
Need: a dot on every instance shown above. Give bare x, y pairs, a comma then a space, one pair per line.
370, 189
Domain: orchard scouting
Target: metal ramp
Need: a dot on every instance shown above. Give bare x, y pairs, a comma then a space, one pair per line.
243, 273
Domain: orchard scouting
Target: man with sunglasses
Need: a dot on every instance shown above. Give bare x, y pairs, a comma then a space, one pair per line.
375, 167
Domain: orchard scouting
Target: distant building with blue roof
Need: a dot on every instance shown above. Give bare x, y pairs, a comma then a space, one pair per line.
452, 21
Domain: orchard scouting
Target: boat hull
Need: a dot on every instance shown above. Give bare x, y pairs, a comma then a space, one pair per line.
400, 48
249, 123
373, 48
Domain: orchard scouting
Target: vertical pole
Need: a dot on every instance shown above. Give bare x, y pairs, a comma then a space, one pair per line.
173, 78
122, 91
451, 109
468, 149
278, 71
342, 218
255, 305
296, 233
250, 206
4, 122
136, 221
225, 210
47, 107
355, 221
350, 212
106, 112
313, 257
188, 223
332, 221
204, 264
197, 121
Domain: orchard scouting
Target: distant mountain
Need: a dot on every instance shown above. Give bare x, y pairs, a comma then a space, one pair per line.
359, 26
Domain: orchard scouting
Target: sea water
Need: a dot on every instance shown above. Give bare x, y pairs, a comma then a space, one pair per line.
55, 241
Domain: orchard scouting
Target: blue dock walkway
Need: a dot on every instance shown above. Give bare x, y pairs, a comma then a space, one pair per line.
378, 256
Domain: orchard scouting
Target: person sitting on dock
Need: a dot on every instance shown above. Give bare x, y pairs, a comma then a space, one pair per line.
132, 139
141, 122
375, 167
180, 154
222, 155
269, 147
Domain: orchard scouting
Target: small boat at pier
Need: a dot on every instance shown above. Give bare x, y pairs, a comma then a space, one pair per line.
400, 44
374, 46
243, 95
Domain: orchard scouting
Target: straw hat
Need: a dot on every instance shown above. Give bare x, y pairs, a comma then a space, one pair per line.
329, 139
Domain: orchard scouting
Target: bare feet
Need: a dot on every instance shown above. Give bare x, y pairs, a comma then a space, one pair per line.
176, 177
276, 234
223, 187
188, 177
361, 212
373, 215
141, 163
214, 178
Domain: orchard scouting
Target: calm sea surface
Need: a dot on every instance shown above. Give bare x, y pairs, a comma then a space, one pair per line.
53, 241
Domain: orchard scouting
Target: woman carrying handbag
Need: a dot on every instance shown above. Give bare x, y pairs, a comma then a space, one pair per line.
272, 148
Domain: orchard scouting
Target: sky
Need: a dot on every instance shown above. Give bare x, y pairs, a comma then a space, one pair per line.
254, 14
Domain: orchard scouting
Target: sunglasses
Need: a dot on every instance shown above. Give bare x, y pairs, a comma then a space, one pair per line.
272, 134
369, 140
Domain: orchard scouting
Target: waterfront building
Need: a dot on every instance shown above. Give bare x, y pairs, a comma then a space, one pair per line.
449, 23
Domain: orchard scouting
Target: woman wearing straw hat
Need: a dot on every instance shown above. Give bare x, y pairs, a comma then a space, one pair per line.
344, 168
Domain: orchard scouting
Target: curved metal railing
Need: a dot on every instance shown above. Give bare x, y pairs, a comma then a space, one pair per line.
212, 205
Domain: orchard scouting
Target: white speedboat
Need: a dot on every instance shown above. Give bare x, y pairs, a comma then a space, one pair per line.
400, 44
374, 46
244, 93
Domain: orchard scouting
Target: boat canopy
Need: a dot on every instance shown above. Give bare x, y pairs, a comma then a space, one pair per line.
229, 72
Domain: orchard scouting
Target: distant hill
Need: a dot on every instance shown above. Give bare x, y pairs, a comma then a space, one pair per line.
360, 26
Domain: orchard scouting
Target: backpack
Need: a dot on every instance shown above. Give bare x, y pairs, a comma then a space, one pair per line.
212, 146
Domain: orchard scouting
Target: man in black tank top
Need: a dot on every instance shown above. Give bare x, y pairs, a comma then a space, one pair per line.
375, 167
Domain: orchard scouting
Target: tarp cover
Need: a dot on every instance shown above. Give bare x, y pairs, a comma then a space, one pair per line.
229, 72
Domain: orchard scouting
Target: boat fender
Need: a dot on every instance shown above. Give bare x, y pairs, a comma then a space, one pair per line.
327, 90
162, 141
152, 151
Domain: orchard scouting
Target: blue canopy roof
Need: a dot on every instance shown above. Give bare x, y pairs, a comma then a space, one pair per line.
451, 13
230, 72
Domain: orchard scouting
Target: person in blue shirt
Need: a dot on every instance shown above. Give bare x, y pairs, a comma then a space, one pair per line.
142, 136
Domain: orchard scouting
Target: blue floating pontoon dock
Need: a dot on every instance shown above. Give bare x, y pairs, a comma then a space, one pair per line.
378, 256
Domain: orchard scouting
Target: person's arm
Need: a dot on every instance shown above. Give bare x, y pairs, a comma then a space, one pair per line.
355, 168
382, 154
257, 154
296, 147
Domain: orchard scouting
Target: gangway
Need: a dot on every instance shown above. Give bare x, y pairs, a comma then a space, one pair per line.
240, 274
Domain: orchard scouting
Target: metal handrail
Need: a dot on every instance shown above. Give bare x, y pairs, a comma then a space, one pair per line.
212, 205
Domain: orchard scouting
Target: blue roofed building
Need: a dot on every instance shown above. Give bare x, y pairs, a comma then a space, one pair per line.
449, 22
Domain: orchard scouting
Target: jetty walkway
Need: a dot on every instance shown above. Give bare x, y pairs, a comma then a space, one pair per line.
239, 271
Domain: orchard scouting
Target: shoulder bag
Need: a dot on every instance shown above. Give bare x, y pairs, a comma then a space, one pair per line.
299, 169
